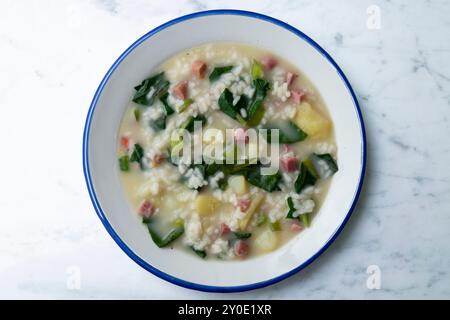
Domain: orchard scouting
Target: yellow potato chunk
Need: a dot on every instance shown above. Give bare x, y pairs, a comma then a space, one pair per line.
266, 241
254, 205
238, 184
206, 204
311, 121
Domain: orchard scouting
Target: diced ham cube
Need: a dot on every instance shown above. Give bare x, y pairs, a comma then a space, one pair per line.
125, 142
146, 209
240, 135
243, 204
269, 62
224, 229
297, 95
289, 164
180, 90
290, 77
297, 226
199, 69
157, 159
241, 248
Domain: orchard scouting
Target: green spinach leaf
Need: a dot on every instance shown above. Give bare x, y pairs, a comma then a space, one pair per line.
222, 184
201, 253
304, 179
253, 106
265, 182
160, 123
288, 133
226, 104
261, 88
330, 162
304, 217
151, 89
256, 118
292, 209
163, 241
242, 103
167, 107
218, 71
137, 154
242, 235
189, 123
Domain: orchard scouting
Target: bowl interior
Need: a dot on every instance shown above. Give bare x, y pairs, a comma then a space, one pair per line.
116, 92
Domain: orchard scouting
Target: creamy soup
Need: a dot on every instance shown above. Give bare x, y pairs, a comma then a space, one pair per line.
228, 210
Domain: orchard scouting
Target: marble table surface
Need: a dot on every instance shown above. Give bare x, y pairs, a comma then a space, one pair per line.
396, 55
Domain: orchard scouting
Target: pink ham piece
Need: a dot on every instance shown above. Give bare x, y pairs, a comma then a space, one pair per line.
240, 135
241, 248
125, 142
146, 209
289, 164
199, 69
269, 62
297, 95
296, 227
224, 229
180, 90
157, 159
243, 204
290, 77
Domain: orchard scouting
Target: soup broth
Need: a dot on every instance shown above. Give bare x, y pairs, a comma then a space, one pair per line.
226, 211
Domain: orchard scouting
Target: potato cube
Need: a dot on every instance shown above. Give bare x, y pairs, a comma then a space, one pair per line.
266, 241
238, 184
311, 121
206, 204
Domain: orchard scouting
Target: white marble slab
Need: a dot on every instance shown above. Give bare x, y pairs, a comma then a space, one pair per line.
54, 54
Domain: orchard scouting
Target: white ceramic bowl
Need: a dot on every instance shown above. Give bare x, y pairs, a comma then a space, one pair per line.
115, 91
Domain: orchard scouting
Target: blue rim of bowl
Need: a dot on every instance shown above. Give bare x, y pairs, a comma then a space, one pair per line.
115, 236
